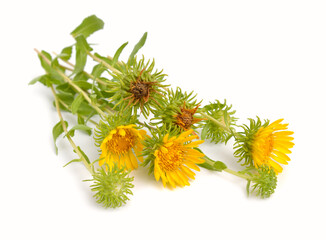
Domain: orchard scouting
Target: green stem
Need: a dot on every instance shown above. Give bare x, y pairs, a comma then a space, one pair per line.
235, 173
230, 171
103, 63
72, 143
67, 107
78, 89
218, 123
89, 75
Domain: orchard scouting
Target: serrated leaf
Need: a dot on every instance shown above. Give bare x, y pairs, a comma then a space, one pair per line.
138, 46
56, 132
117, 53
89, 25
80, 127
76, 103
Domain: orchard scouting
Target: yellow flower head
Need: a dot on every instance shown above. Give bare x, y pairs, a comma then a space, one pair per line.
264, 144
271, 145
122, 146
175, 157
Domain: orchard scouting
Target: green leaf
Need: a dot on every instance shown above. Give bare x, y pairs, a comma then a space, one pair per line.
35, 80
138, 46
219, 166
84, 155
56, 132
80, 127
46, 80
50, 68
207, 166
105, 59
82, 48
89, 25
204, 132
98, 70
75, 160
80, 120
81, 76
76, 103
66, 53
118, 52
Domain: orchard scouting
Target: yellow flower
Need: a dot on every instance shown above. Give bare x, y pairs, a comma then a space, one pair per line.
122, 146
271, 145
175, 157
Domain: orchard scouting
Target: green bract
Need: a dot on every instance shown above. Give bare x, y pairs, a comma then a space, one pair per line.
221, 113
178, 111
243, 141
263, 181
112, 187
137, 86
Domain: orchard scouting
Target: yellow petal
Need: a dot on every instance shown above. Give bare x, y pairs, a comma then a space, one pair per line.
122, 132
275, 166
170, 179
165, 138
194, 144
192, 165
133, 159
157, 172
164, 150
279, 159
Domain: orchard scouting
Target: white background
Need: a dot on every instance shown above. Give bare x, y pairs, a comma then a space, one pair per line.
267, 58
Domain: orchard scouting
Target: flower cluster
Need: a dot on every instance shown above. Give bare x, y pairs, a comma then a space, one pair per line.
138, 120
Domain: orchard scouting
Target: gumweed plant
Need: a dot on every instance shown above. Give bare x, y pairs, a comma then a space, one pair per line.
109, 102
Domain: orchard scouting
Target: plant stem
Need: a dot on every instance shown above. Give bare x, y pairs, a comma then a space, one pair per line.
67, 107
78, 89
104, 63
88, 74
218, 123
230, 171
72, 143
235, 173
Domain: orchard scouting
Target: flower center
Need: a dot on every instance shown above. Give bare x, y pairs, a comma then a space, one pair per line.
264, 143
185, 119
121, 144
140, 90
171, 159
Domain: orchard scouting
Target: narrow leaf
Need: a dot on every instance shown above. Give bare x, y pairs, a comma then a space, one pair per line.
56, 132
35, 80
118, 52
138, 46
76, 103
81, 53
66, 53
75, 160
81, 120
84, 155
89, 25
80, 127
